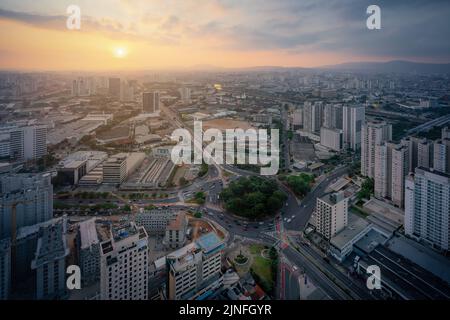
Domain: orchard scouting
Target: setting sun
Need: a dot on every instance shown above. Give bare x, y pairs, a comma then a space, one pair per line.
120, 52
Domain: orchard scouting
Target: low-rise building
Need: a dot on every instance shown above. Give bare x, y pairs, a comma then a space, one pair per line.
175, 236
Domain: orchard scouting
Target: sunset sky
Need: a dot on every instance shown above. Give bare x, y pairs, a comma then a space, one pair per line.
159, 34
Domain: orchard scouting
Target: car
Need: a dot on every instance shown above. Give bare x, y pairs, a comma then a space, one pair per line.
295, 268
293, 216
289, 221
261, 223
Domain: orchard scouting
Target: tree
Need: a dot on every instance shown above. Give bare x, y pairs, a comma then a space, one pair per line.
253, 197
300, 184
200, 197
182, 181
367, 189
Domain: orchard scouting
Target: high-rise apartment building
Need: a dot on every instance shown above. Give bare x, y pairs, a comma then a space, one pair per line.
312, 116
383, 170
150, 102
50, 261
195, 268
297, 118
445, 133
27, 142
126, 91
124, 264
441, 155
373, 134
331, 138
353, 119
331, 214
25, 200
400, 165
391, 168
427, 207
88, 245
185, 94
332, 116
5, 268
424, 153
114, 87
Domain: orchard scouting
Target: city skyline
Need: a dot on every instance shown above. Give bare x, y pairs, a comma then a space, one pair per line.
135, 35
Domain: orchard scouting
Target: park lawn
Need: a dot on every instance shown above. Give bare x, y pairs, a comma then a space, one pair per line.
255, 249
262, 267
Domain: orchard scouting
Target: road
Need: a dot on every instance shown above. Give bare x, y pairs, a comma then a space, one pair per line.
302, 212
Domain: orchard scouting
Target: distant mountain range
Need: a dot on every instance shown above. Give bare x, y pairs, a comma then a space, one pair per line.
396, 66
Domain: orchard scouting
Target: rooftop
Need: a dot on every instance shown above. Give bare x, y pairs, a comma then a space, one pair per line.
355, 226
88, 233
209, 242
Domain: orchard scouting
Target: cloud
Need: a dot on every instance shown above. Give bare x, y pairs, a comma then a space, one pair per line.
410, 28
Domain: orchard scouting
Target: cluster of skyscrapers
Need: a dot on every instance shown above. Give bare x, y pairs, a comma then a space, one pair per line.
412, 174
338, 126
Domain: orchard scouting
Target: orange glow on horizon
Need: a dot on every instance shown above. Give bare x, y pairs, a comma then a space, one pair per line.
33, 48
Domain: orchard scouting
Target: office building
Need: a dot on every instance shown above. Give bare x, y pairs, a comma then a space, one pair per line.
124, 264
25, 200
353, 119
49, 263
427, 207
373, 134
331, 138
76, 165
150, 102
5, 268
114, 87
115, 169
331, 214
195, 268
